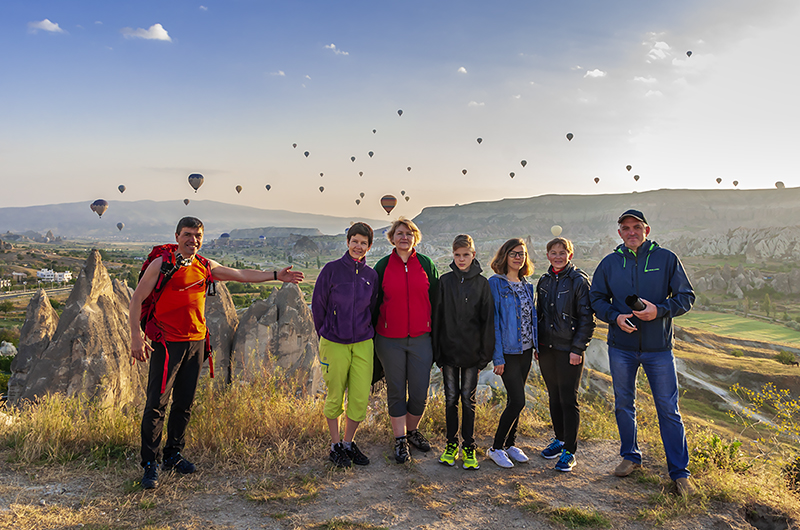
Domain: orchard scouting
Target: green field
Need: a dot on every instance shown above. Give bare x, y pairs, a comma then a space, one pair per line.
727, 325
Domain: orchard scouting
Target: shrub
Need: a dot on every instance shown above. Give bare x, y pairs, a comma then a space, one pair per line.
5, 363
784, 357
711, 452
736, 352
10, 335
6, 306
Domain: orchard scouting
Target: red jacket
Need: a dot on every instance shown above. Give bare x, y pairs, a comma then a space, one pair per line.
406, 307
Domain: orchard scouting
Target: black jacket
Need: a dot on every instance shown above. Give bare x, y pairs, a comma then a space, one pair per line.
566, 321
463, 328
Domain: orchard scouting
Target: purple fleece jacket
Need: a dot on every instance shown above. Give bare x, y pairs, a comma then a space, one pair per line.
344, 297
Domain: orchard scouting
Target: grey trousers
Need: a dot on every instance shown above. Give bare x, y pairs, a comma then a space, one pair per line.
407, 363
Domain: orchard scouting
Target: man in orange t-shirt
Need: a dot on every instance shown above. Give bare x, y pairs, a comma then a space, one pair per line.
180, 315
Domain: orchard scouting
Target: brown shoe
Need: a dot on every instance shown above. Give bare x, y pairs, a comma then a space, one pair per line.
685, 487
625, 468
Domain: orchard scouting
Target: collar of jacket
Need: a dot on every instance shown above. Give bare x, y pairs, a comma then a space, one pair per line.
563, 273
645, 250
394, 255
505, 278
474, 270
351, 263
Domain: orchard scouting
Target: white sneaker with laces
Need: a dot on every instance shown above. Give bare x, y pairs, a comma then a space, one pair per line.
500, 458
516, 454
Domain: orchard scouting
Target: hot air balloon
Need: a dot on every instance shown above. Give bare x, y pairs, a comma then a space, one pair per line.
224, 235
321, 189
570, 136
186, 202
360, 173
306, 153
463, 171
402, 192
511, 174
361, 194
689, 53
358, 201
321, 174
388, 203
400, 112
480, 140
238, 189
374, 131
196, 180
352, 159
99, 207
121, 188
370, 154
735, 182
268, 187
120, 226
596, 180
719, 180
523, 163
629, 167
409, 168
294, 145
407, 197
636, 178
555, 230
780, 185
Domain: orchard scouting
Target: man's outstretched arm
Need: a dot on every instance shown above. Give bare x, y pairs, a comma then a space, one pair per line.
229, 274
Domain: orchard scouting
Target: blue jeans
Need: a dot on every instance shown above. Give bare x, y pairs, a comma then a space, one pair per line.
663, 379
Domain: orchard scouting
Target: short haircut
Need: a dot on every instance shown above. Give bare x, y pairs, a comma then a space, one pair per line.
409, 224
564, 242
188, 222
463, 241
500, 260
361, 229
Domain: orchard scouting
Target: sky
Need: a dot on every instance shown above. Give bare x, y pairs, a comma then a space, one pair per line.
142, 93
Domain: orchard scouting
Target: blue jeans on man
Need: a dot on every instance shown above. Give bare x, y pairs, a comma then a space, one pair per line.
663, 379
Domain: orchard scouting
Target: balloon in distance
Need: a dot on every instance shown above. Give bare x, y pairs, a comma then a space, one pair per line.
570, 136
99, 207
186, 202
120, 226
121, 188
556, 230
196, 180
388, 202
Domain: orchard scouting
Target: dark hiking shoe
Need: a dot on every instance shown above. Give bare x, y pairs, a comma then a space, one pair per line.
419, 441
150, 478
401, 450
339, 456
356, 456
179, 464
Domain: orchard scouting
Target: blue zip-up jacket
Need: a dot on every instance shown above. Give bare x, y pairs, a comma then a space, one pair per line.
345, 294
507, 327
653, 273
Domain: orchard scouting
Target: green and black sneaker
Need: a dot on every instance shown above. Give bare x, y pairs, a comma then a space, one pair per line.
450, 454
470, 460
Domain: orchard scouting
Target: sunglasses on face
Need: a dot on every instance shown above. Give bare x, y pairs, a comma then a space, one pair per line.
513, 254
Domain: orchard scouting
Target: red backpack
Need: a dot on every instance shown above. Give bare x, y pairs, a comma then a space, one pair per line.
147, 319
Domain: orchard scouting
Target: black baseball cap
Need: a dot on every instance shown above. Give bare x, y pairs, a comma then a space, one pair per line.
636, 214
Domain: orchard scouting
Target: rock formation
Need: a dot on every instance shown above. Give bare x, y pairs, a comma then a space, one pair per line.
278, 332
222, 322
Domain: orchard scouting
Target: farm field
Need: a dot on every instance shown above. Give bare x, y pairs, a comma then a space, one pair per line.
734, 326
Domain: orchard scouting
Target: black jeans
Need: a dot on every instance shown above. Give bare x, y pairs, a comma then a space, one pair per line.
183, 372
562, 380
460, 382
515, 374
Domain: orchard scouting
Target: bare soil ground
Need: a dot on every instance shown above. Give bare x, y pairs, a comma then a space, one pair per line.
421, 494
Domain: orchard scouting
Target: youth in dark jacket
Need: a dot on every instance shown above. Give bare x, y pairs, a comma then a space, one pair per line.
566, 324
463, 342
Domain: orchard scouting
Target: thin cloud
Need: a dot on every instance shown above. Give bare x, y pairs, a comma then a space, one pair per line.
462, 70
98, 22
307, 77
279, 73
475, 104
203, 8
653, 93
660, 50
154, 32
647, 80
595, 73
517, 96
44, 25
336, 50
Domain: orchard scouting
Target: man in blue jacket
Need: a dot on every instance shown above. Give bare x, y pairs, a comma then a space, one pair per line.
640, 268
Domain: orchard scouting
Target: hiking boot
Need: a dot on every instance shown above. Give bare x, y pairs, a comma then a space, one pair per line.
553, 450
516, 454
339, 456
566, 462
450, 454
417, 440
150, 478
470, 460
401, 450
356, 456
179, 464
685, 487
626, 467
500, 458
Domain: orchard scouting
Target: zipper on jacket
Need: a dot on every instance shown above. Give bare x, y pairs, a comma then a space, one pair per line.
408, 301
636, 279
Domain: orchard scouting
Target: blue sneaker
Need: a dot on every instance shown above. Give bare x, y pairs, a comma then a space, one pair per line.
566, 462
553, 450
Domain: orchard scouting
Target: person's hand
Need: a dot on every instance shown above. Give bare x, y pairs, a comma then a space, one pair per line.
498, 370
140, 350
575, 358
287, 275
650, 312
624, 325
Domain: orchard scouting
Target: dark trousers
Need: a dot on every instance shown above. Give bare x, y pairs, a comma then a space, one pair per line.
515, 374
183, 372
460, 382
562, 380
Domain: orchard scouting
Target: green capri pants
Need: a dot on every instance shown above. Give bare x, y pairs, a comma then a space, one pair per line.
346, 367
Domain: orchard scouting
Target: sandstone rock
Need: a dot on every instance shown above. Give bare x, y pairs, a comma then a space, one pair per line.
717, 282
483, 394
222, 321
7, 349
278, 332
596, 356
41, 321
735, 290
489, 378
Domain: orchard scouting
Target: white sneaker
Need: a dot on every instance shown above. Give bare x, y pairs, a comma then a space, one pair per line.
500, 458
516, 454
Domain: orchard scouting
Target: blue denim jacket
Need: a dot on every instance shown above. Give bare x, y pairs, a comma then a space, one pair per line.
507, 330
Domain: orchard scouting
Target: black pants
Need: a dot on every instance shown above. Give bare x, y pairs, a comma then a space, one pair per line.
460, 382
515, 374
183, 372
562, 380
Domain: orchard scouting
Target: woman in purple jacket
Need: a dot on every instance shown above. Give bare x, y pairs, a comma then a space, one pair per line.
345, 295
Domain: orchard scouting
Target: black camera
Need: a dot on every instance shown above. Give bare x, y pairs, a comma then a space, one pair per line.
635, 303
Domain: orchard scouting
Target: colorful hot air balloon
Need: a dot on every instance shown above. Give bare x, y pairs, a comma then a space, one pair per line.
361, 194
121, 188
352, 159
120, 226
186, 202
99, 207
511, 174
689, 53
196, 180
629, 167
463, 171
400, 112
480, 140
321, 189
238, 189
388, 202
407, 197
596, 180
306, 153
358, 201
269, 187
523, 163
370, 154
719, 180
636, 178
555, 230
570, 136
735, 183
